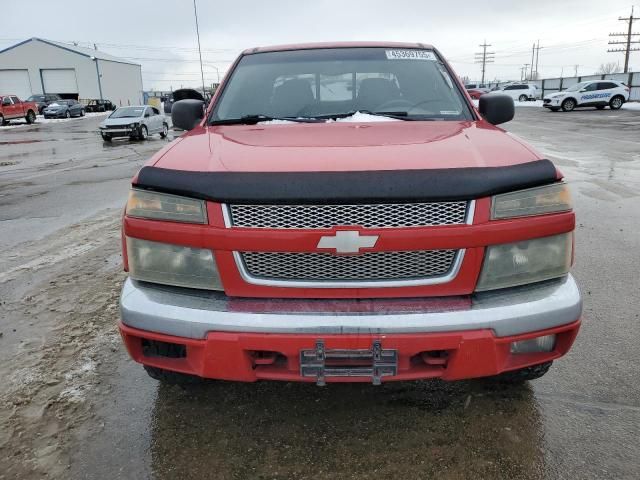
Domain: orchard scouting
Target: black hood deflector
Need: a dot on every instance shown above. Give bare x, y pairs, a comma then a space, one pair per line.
377, 186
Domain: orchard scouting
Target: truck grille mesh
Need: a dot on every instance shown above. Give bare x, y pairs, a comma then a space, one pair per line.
379, 215
371, 266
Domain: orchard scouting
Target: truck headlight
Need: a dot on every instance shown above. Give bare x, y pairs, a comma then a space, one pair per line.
172, 264
163, 206
513, 264
532, 201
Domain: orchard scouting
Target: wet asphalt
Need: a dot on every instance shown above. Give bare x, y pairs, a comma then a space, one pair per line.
582, 420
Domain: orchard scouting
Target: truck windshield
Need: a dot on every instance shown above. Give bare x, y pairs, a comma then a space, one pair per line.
411, 84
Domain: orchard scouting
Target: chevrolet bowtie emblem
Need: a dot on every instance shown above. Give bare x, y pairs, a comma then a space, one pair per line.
346, 241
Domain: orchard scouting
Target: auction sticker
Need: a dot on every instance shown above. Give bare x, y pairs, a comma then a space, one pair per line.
411, 55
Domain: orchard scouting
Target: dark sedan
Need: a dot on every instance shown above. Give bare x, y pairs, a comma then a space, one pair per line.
99, 106
64, 109
42, 101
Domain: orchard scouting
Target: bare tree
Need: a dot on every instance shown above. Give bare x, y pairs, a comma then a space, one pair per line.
610, 67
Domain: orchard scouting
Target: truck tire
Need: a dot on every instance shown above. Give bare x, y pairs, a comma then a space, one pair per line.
524, 374
568, 105
172, 378
616, 102
30, 117
2, 120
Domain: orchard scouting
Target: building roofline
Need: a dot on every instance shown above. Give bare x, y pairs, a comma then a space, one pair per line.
69, 49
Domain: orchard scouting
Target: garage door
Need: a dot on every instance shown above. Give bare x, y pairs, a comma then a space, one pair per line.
15, 82
59, 80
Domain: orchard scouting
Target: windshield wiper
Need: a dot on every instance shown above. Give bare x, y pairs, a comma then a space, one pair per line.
253, 119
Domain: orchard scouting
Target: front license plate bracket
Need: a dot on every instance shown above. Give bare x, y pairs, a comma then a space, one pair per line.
375, 362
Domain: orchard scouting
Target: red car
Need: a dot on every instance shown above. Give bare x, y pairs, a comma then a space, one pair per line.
11, 108
342, 213
474, 93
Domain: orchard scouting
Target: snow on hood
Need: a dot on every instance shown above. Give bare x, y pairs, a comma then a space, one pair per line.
355, 118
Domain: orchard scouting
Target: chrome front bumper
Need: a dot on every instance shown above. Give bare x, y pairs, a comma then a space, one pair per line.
192, 314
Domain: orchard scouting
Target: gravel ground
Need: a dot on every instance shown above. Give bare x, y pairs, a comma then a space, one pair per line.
74, 406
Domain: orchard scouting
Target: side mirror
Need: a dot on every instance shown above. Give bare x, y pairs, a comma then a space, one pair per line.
497, 109
186, 114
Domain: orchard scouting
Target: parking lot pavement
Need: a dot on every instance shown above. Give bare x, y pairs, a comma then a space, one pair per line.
74, 405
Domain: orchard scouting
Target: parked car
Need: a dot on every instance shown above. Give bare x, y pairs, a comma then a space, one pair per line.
99, 106
523, 92
594, 93
135, 122
43, 100
395, 234
476, 86
476, 93
64, 109
11, 108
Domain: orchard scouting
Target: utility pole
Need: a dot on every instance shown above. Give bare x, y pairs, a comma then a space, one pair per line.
538, 47
627, 41
525, 68
575, 72
484, 57
533, 52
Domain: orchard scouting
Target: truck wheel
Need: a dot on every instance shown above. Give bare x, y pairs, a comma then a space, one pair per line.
2, 120
568, 105
31, 117
523, 98
616, 102
524, 374
165, 130
172, 378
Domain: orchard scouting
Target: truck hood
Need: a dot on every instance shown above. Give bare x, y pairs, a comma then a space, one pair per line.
308, 147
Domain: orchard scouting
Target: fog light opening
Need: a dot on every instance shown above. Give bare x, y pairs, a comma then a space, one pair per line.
545, 343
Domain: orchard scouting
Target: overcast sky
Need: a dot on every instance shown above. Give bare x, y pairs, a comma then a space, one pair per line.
160, 34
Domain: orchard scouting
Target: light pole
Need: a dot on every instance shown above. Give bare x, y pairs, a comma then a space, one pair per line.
95, 59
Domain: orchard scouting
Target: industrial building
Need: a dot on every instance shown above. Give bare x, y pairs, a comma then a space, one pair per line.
37, 66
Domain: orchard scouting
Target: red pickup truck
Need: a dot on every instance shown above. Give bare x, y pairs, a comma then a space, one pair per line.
341, 212
11, 107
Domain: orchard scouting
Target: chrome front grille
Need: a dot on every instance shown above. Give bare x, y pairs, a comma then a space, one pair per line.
378, 215
328, 270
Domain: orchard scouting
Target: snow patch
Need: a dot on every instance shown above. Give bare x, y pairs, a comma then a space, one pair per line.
357, 117
635, 106
366, 117
41, 120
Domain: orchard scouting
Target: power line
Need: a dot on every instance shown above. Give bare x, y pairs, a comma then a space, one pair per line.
486, 57
627, 42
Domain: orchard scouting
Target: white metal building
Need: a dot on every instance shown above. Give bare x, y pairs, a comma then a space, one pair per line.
44, 66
